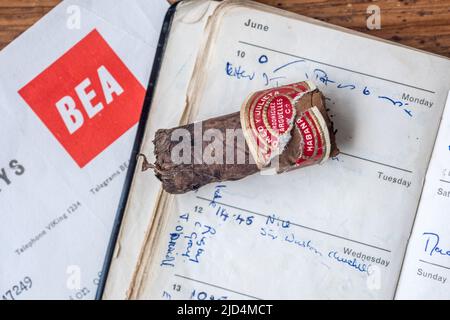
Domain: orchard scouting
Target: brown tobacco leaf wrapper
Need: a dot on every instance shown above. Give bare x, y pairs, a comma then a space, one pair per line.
279, 129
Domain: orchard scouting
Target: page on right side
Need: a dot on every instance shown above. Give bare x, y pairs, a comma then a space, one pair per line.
426, 269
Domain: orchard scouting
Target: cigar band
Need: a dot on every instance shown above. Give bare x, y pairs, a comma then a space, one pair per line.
315, 142
268, 118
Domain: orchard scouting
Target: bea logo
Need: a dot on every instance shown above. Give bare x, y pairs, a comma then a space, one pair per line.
87, 98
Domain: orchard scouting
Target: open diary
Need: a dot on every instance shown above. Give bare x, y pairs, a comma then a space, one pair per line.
372, 223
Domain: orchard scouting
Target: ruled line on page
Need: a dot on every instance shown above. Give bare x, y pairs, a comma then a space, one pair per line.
337, 67
298, 225
216, 286
376, 162
434, 264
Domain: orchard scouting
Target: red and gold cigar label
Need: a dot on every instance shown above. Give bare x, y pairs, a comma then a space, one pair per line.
275, 124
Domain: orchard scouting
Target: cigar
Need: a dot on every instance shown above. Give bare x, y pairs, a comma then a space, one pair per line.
276, 130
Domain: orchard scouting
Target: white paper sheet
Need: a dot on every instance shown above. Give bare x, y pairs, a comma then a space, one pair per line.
59, 195
333, 231
426, 270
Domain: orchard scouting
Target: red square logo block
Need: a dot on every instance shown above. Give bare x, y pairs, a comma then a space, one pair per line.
87, 98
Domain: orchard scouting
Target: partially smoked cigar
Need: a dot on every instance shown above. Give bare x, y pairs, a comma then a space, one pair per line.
280, 129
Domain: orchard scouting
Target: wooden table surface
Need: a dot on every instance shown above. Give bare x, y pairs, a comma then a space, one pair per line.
423, 24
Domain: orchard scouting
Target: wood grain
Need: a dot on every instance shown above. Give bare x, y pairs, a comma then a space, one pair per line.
18, 15
423, 24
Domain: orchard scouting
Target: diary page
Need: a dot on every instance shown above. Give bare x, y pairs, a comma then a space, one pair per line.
426, 270
338, 230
